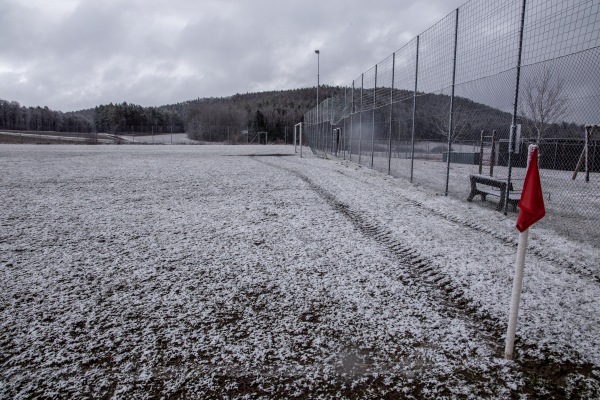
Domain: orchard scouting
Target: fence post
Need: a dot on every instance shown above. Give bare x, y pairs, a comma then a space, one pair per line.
481, 152
513, 128
310, 131
333, 148
318, 137
344, 116
319, 127
373, 118
321, 130
391, 113
324, 128
588, 134
451, 122
412, 154
300, 129
493, 155
362, 84
351, 123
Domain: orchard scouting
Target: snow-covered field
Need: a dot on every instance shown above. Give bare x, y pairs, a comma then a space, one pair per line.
164, 138
57, 137
246, 271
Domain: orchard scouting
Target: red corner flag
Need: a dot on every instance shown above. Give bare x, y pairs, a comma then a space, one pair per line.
531, 206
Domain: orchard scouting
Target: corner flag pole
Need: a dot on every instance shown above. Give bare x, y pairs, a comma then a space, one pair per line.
516, 295
531, 210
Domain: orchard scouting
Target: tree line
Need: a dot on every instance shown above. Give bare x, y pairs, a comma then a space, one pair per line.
127, 118
16, 117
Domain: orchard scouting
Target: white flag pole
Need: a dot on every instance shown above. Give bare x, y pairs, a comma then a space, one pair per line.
516, 294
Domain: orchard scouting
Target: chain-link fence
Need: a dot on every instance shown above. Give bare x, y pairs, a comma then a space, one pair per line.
465, 97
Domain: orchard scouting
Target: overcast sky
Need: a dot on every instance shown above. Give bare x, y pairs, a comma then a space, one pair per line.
75, 54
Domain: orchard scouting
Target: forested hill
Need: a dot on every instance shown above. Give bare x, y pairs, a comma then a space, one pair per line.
217, 119
273, 111
201, 118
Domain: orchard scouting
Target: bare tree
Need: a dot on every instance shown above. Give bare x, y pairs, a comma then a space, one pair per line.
544, 103
462, 120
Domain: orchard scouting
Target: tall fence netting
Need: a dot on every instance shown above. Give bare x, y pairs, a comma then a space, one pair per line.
441, 108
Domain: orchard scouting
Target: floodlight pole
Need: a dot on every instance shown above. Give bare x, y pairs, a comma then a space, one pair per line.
318, 67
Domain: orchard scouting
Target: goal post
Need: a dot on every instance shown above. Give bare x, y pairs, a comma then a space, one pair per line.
266, 135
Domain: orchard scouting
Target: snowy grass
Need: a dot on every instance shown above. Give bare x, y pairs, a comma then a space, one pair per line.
163, 138
573, 206
245, 271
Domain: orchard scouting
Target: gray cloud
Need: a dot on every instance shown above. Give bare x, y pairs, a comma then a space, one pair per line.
71, 55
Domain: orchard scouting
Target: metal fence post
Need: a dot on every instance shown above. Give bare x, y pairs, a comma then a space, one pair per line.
588, 134
373, 118
319, 138
412, 154
513, 128
344, 116
300, 129
391, 113
324, 128
362, 84
451, 122
332, 150
351, 123
327, 125
311, 130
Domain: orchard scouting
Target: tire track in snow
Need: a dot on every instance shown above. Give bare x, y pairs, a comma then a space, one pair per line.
463, 220
509, 240
418, 269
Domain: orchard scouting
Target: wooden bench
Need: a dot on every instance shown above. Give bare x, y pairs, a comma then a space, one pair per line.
486, 185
